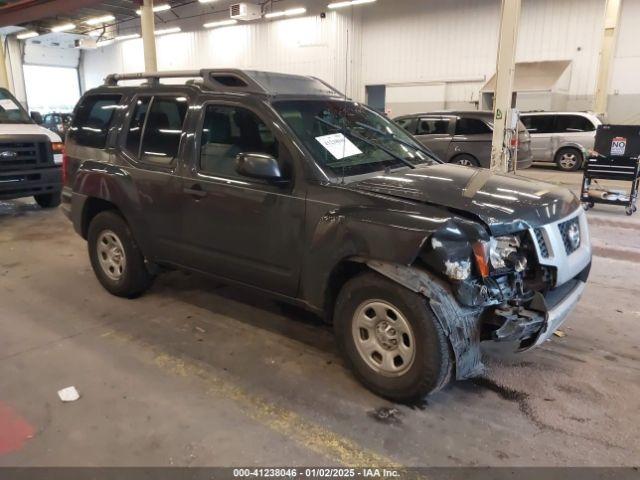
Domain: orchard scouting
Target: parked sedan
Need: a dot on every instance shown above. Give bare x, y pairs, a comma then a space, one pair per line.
561, 137
462, 137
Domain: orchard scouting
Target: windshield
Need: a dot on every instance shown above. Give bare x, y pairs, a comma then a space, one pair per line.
10, 110
348, 139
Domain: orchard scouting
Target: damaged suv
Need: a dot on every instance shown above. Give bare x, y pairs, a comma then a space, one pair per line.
279, 183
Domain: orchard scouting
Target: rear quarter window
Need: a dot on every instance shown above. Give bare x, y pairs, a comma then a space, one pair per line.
90, 125
471, 126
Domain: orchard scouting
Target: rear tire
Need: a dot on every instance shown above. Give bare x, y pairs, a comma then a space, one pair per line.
420, 358
48, 200
569, 159
115, 257
465, 160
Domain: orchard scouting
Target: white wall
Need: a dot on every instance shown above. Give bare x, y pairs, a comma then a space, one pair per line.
401, 43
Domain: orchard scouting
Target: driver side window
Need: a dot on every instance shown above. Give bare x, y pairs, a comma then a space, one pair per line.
228, 131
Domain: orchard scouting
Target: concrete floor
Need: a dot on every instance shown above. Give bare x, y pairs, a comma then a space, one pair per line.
197, 373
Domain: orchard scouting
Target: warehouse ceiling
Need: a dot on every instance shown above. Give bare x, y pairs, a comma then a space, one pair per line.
42, 15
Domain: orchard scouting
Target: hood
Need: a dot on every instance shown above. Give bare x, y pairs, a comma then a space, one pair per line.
27, 129
505, 203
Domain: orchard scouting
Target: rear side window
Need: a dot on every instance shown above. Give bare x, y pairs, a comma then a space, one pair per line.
92, 119
539, 123
430, 126
156, 127
407, 123
471, 126
574, 123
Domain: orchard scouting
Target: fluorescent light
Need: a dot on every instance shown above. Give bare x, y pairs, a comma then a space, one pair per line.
63, 28
127, 37
286, 13
348, 3
165, 31
157, 8
99, 20
221, 23
206, 1
104, 43
95, 33
25, 35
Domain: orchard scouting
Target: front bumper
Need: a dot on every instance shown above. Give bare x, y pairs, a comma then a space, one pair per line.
557, 314
26, 183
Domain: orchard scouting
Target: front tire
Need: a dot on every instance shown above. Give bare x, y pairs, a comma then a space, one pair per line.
48, 200
115, 256
568, 159
391, 339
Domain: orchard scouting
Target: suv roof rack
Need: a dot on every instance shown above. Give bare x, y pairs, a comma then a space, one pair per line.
235, 80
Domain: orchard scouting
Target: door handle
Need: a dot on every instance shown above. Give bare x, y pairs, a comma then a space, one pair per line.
195, 191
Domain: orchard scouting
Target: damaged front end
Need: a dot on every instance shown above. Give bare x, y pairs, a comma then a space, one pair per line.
501, 289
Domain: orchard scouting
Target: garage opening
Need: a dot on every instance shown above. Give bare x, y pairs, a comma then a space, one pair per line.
38, 82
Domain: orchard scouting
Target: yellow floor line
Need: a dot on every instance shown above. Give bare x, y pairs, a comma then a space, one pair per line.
314, 437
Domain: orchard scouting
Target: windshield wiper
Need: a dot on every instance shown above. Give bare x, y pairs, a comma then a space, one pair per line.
394, 137
347, 132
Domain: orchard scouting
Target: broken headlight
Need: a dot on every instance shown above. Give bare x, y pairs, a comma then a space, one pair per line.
503, 253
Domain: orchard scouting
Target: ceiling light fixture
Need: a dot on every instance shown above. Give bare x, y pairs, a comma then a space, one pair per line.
104, 43
127, 37
25, 35
286, 13
165, 31
206, 1
348, 3
63, 28
99, 20
157, 8
95, 33
221, 23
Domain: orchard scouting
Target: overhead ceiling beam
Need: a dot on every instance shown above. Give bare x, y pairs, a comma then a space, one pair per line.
31, 10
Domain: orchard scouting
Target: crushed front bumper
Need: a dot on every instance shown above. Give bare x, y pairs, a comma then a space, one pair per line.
557, 314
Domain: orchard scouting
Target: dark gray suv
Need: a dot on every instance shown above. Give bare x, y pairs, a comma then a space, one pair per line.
278, 184
462, 137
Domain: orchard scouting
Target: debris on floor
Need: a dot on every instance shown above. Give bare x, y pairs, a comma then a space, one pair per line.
559, 333
200, 329
69, 394
386, 415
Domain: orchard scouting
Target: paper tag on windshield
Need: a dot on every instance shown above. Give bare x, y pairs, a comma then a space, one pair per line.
338, 145
8, 104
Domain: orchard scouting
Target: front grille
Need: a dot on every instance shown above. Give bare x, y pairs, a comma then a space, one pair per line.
570, 233
542, 244
23, 156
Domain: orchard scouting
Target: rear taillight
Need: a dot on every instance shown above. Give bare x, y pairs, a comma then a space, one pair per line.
514, 142
65, 165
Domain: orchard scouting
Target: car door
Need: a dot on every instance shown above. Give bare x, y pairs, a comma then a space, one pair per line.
435, 132
472, 137
542, 129
245, 229
150, 144
575, 130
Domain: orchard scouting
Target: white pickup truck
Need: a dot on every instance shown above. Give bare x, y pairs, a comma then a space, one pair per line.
30, 156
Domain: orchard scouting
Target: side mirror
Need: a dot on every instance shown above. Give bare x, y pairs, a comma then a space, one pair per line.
36, 117
258, 165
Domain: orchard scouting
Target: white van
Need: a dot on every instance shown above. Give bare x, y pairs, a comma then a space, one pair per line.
30, 156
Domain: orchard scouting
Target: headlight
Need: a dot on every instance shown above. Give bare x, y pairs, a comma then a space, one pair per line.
503, 253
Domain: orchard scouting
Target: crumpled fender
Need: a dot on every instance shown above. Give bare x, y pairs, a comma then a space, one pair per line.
377, 234
460, 324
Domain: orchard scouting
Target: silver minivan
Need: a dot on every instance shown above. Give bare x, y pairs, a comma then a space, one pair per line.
561, 137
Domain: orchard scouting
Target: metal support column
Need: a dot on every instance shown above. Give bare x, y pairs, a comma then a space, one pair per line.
148, 37
505, 70
4, 77
612, 16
